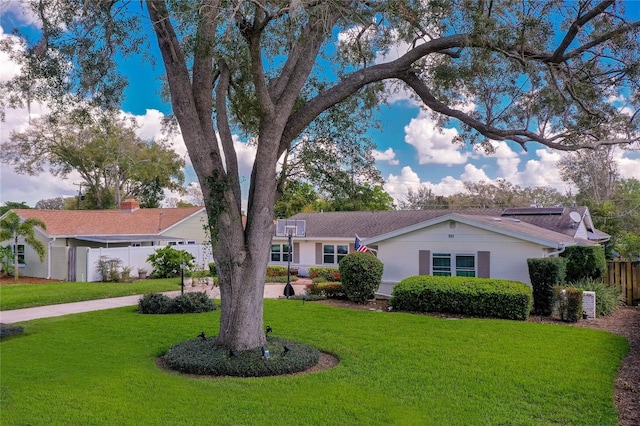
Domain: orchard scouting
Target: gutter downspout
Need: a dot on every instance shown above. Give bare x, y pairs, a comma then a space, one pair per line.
561, 248
50, 243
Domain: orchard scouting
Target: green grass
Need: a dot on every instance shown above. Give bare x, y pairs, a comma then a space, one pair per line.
398, 369
17, 296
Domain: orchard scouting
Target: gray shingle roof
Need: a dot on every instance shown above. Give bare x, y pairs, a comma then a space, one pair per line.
368, 224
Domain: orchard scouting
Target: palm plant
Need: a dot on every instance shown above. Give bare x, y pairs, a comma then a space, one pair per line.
12, 227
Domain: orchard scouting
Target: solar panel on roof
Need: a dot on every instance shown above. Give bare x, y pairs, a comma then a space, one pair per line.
534, 211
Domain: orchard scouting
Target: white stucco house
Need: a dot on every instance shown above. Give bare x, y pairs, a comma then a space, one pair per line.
129, 233
474, 242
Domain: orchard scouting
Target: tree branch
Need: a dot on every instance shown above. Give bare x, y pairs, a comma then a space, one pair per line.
575, 27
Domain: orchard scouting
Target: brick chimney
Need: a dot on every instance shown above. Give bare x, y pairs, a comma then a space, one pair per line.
129, 205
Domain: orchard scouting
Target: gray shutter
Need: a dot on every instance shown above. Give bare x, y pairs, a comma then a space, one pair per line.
484, 264
318, 253
296, 252
424, 262
352, 248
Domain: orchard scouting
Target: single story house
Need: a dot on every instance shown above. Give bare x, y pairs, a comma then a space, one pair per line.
71, 234
472, 242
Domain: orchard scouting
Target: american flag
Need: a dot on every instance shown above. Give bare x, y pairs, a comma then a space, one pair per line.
360, 247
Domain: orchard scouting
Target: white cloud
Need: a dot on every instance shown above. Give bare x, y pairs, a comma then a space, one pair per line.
388, 155
507, 160
434, 146
473, 174
398, 186
19, 13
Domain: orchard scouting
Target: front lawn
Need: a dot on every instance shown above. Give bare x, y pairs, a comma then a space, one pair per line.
395, 368
17, 296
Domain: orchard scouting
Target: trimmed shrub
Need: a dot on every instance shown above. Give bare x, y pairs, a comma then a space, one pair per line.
569, 303
585, 262
361, 274
204, 357
8, 330
192, 303
280, 279
545, 273
324, 273
276, 271
329, 290
484, 297
608, 298
154, 303
187, 303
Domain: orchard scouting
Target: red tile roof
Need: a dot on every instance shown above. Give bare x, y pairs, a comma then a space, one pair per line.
67, 223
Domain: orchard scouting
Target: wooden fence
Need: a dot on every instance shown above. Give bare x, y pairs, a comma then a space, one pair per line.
625, 276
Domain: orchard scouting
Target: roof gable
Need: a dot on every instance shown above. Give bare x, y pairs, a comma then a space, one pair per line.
70, 223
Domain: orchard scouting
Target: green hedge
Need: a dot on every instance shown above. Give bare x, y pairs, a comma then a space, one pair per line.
484, 297
585, 262
330, 290
187, 303
545, 273
324, 273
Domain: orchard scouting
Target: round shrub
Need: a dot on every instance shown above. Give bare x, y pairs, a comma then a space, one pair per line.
193, 303
204, 356
187, 303
361, 274
8, 330
154, 303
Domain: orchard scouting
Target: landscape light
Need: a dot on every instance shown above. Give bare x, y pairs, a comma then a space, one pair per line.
265, 353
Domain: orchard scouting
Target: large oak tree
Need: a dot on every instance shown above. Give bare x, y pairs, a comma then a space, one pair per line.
526, 71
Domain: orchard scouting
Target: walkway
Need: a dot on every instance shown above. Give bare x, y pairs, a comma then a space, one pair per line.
271, 291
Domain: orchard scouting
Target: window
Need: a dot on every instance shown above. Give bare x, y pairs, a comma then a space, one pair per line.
333, 254
464, 265
280, 253
442, 264
20, 253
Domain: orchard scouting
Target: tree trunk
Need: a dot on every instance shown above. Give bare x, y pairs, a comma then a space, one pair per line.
241, 265
16, 265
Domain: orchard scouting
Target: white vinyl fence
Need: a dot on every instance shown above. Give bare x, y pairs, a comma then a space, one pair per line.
136, 257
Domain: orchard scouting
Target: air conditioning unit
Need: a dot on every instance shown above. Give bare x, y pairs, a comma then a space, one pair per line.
589, 304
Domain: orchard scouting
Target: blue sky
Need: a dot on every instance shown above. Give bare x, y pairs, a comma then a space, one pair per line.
410, 151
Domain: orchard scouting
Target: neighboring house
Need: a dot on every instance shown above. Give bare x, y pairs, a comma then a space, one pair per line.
474, 242
70, 234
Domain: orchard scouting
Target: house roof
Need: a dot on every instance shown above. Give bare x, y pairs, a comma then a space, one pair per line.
105, 223
369, 224
506, 226
553, 226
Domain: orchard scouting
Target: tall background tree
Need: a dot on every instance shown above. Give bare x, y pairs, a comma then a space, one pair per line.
277, 71
13, 228
8, 205
113, 162
485, 195
614, 202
